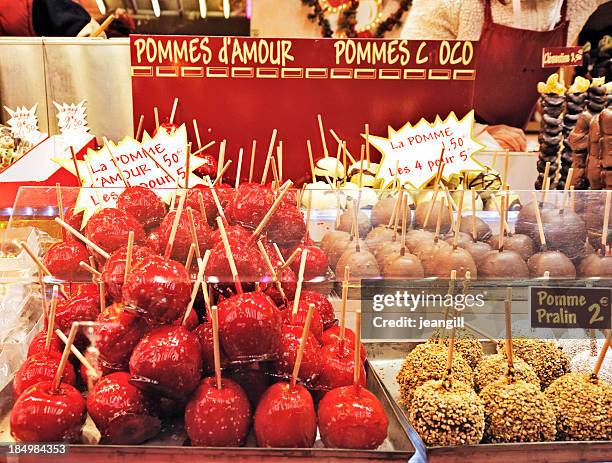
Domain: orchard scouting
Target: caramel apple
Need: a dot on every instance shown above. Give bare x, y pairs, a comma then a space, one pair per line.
595, 266
439, 208
483, 230
564, 231
382, 211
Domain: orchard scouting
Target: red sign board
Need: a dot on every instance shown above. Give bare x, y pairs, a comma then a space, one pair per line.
240, 89
554, 57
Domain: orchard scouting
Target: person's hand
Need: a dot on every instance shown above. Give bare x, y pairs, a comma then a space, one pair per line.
508, 137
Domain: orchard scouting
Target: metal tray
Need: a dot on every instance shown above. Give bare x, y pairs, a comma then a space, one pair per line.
386, 359
169, 445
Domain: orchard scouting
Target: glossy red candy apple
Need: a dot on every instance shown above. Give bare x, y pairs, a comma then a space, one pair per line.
251, 203
38, 344
236, 234
143, 204
351, 417
299, 319
109, 229
337, 367
310, 368
82, 306
113, 271
218, 417
285, 417
182, 240
210, 207
286, 226
171, 357
249, 326
322, 305
116, 333
40, 367
159, 289
43, 415
63, 258
248, 263
332, 336
123, 414
317, 263
208, 168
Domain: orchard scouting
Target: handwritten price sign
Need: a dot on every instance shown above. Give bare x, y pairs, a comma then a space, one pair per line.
553, 57
157, 163
24, 123
412, 154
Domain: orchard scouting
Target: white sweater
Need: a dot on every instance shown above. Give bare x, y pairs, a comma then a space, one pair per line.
463, 19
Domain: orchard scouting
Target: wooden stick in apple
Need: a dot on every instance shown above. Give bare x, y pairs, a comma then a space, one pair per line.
300, 353
229, 256
62, 365
264, 176
300, 282
175, 224
41, 267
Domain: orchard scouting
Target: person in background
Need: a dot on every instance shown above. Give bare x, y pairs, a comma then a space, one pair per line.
50, 18
512, 34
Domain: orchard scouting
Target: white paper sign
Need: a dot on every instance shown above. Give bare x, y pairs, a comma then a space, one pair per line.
161, 170
24, 124
72, 120
412, 154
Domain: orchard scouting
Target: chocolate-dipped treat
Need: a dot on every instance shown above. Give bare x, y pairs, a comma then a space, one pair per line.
427, 211
519, 243
575, 102
552, 102
554, 264
427, 251
596, 95
526, 223
416, 239
478, 250
404, 265
334, 243
483, 230
502, 263
565, 231
578, 140
379, 236
348, 218
456, 258
599, 264
383, 211
462, 239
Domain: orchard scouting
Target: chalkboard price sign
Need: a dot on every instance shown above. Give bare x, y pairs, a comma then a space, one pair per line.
562, 307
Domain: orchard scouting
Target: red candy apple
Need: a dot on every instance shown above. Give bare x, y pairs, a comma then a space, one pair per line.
317, 263
218, 417
322, 305
182, 240
43, 415
63, 258
287, 353
38, 344
249, 326
113, 271
109, 229
40, 367
123, 414
337, 367
116, 333
143, 204
159, 289
332, 336
208, 168
299, 319
285, 417
170, 357
351, 417
286, 226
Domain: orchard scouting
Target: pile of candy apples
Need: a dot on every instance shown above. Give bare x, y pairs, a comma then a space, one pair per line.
270, 352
